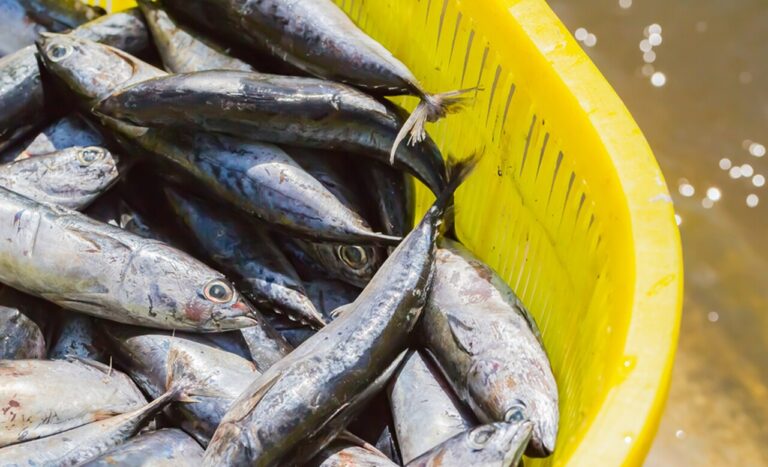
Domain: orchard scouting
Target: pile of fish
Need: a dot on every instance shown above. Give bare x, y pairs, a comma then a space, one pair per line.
207, 255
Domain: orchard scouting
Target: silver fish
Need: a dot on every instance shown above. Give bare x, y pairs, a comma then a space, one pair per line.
77, 337
71, 178
488, 346
78, 263
279, 109
42, 397
248, 255
182, 50
258, 178
144, 354
22, 98
319, 38
342, 365
168, 447
75, 446
33, 313
72, 130
494, 445
420, 397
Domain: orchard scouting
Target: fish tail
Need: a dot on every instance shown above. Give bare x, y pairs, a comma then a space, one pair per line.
458, 171
432, 108
181, 384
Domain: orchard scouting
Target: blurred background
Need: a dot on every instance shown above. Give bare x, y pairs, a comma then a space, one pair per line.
693, 74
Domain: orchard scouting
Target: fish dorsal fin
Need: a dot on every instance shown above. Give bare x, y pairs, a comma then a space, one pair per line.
463, 334
238, 412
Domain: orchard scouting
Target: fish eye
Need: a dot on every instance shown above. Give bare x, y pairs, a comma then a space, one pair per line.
89, 155
218, 291
480, 436
353, 256
58, 52
516, 413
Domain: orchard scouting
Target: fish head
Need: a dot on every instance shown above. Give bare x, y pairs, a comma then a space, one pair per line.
89, 69
496, 444
95, 168
355, 264
517, 392
186, 291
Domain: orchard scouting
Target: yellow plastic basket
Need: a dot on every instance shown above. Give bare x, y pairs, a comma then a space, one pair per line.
568, 205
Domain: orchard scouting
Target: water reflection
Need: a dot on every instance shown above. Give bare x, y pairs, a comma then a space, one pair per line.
693, 74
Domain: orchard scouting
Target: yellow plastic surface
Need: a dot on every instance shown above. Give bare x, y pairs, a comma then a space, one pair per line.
568, 205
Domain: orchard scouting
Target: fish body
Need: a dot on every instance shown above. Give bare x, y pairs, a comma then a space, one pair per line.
279, 109
182, 50
72, 178
67, 132
354, 264
342, 453
75, 446
144, 353
493, 445
115, 274
488, 346
260, 179
45, 397
392, 197
420, 398
168, 447
22, 98
299, 404
77, 337
20, 336
248, 255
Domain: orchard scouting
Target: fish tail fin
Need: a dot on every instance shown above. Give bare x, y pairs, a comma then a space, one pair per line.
181, 384
458, 171
432, 108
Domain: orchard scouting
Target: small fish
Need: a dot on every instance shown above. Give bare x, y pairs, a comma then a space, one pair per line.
72, 130
77, 337
22, 99
488, 346
493, 445
420, 397
84, 265
182, 50
144, 354
319, 38
338, 368
20, 337
86, 442
342, 453
247, 254
278, 109
71, 178
168, 447
45, 397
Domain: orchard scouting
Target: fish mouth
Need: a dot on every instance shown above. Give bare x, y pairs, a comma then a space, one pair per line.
541, 445
519, 442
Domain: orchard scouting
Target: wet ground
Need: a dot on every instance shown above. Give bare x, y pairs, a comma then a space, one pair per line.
695, 76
